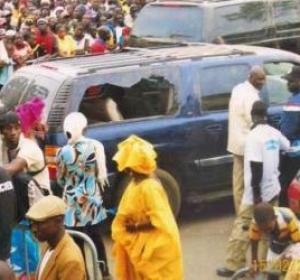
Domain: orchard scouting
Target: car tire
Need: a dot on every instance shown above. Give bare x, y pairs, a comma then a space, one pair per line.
169, 184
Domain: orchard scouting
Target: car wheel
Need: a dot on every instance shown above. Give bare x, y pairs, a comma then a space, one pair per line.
169, 184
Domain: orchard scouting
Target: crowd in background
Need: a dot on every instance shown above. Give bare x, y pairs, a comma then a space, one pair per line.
31, 29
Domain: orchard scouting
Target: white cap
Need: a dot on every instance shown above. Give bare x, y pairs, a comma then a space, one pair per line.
74, 124
10, 33
46, 2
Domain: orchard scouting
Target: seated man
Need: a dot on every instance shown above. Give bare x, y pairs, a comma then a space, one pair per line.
282, 228
61, 257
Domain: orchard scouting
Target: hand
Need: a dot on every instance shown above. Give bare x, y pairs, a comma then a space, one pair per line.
254, 269
257, 200
82, 199
131, 228
103, 183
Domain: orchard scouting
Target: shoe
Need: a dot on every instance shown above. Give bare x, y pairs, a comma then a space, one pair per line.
224, 272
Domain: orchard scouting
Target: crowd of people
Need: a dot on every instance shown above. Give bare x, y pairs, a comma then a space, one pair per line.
147, 242
43, 29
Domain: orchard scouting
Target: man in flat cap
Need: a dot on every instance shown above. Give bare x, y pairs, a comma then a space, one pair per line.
290, 127
61, 258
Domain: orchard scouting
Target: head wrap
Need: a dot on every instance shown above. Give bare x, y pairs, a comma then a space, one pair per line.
42, 21
30, 114
10, 33
74, 124
136, 154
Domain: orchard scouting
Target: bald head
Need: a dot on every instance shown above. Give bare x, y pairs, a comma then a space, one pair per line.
257, 77
5, 272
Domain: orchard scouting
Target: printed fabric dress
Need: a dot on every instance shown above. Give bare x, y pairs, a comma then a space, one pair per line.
77, 174
146, 255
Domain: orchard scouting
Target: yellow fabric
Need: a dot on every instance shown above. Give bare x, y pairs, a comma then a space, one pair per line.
66, 46
111, 42
136, 154
15, 18
146, 255
293, 272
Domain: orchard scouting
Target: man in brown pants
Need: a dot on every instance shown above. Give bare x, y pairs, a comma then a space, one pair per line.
262, 147
242, 98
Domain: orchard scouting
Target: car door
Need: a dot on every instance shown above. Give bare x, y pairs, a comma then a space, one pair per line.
216, 82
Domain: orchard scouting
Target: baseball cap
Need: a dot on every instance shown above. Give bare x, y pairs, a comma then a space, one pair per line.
47, 207
294, 74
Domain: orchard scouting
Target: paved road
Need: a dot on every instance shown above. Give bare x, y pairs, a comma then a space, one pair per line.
204, 234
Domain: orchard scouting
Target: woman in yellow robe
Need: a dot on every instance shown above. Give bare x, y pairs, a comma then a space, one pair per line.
145, 234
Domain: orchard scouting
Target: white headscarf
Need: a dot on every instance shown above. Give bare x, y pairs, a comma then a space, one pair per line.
74, 124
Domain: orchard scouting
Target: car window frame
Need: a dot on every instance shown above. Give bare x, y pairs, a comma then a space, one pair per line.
265, 93
137, 119
223, 64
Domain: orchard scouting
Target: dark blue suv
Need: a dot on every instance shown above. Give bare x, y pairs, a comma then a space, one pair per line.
175, 97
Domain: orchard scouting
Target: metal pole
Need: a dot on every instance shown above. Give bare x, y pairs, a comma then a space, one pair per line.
90, 243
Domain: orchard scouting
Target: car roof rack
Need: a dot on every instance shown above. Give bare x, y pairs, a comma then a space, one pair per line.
81, 65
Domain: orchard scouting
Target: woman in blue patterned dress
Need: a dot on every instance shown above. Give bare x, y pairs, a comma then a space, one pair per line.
82, 172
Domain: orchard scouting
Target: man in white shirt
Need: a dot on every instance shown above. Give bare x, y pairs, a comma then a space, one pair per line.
242, 98
23, 155
262, 147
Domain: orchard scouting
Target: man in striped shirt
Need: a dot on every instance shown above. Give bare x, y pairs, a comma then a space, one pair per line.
282, 228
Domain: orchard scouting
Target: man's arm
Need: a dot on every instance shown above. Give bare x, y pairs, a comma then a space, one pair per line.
256, 177
254, 236
254, 251
284, 143
290, 122
15, 166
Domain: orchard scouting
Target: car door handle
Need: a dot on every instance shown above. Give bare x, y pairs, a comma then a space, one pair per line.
214, 127
275, 119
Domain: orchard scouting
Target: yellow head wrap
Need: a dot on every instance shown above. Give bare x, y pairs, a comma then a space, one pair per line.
136, 154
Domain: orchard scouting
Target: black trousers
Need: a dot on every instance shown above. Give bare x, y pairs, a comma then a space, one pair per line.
7, 222
94, 232
289, 167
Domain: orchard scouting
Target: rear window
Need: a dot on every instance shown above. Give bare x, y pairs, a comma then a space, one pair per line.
174, 22
240, 18
285, 13
21, 88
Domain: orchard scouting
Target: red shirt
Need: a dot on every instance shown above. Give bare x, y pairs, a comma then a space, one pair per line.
98, 47
46, 41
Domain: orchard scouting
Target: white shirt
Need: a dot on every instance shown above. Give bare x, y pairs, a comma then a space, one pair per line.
44, 261
29, 150
3, 53
239, 119
80, 44
263, 144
